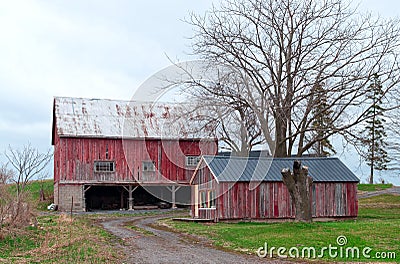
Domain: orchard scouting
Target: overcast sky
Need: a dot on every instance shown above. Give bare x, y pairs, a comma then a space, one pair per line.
94, 49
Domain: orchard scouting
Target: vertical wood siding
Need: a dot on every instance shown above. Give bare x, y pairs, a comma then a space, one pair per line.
74, 158
271, 200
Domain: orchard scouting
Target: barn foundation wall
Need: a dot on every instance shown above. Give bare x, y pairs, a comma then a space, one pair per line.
70, 195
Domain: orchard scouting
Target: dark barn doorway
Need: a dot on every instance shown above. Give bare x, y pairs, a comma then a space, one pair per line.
106, 198
116, 198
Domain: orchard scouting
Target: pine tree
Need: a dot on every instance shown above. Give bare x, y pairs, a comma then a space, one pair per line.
376, 156
321, 123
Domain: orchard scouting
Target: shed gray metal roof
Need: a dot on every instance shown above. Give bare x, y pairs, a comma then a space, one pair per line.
81, 117
233, 169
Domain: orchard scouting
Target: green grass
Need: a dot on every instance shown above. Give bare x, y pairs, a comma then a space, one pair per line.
140, 230
377, 227
373, 187
58, 239
48, 188
33, 189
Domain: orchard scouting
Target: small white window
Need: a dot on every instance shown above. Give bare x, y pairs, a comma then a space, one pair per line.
104, 166
149, 166
192, 161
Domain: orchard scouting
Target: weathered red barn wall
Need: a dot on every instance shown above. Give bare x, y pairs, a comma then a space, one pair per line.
74, 158
272, 200
269, 200
335, 199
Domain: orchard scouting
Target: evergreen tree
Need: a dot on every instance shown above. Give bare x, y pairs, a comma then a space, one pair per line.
322, 122
376, 156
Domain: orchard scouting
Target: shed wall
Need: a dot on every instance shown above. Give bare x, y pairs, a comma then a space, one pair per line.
271, 200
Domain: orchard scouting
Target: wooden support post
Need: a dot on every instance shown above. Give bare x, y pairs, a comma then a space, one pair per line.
196, 201
173, 191
130, 191
84, 196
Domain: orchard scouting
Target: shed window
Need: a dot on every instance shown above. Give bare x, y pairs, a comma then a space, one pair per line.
192, 161
148, 166
104, 166
207, 199
211, 197
203, 199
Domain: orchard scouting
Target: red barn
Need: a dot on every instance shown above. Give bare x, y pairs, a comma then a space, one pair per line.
226, 188
119, 154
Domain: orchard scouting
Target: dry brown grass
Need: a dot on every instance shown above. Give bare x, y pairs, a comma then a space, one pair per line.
63, 239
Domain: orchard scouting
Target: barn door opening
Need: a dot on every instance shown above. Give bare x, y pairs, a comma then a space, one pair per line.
106, 198
117, 197
149, 198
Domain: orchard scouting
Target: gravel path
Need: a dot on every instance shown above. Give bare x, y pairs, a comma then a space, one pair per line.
159, 246
393, 190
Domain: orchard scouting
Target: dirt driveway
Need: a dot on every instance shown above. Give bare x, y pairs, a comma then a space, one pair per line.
159, 246
394, 190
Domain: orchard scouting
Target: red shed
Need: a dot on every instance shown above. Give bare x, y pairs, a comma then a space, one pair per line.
111, 154
227, 188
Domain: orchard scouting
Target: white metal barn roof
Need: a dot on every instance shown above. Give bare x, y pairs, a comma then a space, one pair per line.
80, 117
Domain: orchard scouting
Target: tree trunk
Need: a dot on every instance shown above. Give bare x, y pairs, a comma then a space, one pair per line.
280, 138
298, 184
42, 195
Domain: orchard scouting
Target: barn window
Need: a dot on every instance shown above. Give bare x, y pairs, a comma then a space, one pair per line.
104, 166
192, 161
149, 166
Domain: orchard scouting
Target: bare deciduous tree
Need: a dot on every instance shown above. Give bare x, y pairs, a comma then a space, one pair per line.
15, 211
285, 49
27, 163
233, 121
5, 195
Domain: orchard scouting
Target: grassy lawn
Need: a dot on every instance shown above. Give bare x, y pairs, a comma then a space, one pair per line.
48, 188
377, 227
59, 239
373, 187
33, 188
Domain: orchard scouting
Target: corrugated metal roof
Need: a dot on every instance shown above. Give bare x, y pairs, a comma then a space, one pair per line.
232, 169
75, 117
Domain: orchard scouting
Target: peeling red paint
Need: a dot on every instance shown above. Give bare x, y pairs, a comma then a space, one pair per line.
272, 200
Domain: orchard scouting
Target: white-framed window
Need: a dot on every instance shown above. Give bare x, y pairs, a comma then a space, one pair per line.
211, 199
148, 166
203, 199
207, 199
192, 161
104, 166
